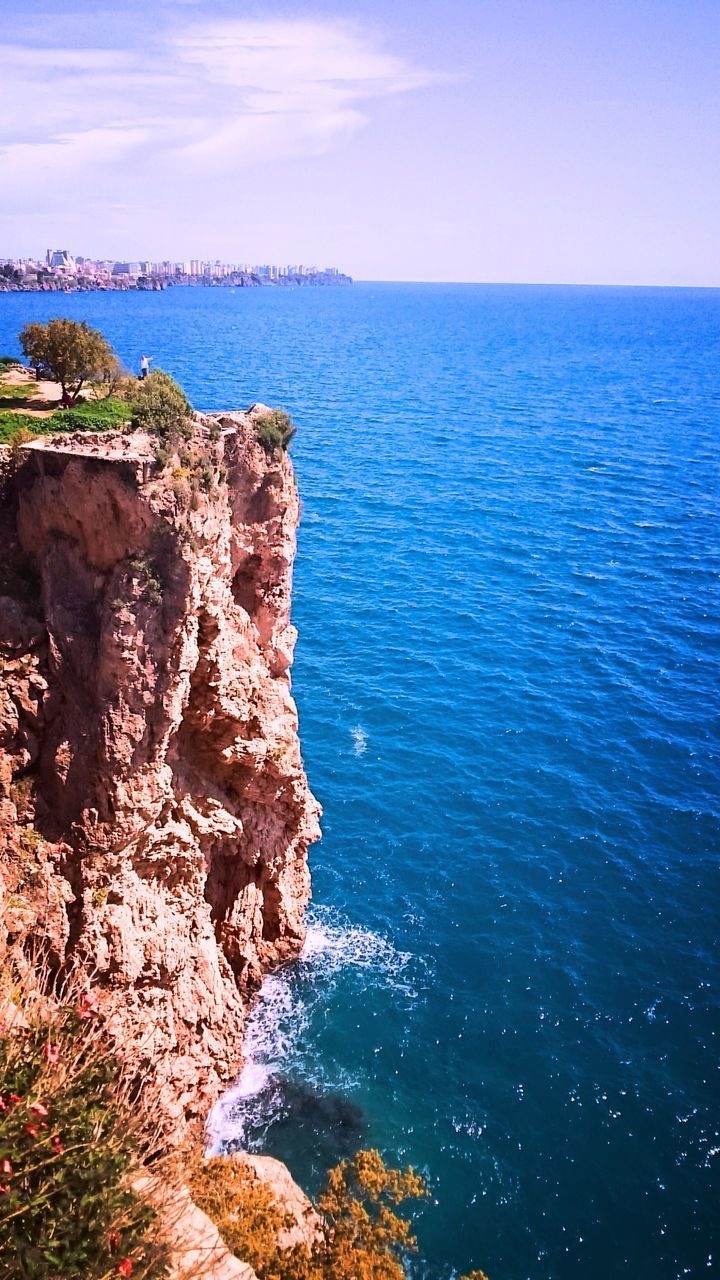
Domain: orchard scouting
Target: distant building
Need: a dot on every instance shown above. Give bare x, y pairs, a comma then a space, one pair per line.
60, 260
127, 269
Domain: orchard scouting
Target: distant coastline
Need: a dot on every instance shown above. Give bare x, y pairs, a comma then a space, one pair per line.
60, 272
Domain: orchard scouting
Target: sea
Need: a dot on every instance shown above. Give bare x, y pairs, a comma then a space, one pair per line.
506, 591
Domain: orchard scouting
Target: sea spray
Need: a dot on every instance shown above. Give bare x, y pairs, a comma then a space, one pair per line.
276, 1073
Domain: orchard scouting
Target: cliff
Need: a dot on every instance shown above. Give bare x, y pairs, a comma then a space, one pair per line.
154, 813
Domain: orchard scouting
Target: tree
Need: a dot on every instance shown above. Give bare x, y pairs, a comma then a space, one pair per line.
69, 353
160, 407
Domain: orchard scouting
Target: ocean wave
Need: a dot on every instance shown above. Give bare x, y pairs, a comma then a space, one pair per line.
279, 1019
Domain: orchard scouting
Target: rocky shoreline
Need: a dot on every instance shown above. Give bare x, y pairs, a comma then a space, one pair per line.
150, 284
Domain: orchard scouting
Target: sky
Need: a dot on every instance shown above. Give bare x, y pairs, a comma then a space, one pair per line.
532, 141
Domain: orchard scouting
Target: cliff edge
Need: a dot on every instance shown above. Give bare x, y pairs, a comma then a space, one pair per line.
154, 813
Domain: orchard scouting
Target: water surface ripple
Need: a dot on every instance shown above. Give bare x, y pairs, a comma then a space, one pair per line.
507, 597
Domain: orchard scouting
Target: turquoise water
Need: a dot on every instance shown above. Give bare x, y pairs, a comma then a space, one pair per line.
507, 597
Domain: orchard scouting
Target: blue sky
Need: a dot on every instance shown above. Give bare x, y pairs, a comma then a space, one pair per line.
491, 140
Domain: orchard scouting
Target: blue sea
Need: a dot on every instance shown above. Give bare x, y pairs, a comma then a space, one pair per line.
507, 675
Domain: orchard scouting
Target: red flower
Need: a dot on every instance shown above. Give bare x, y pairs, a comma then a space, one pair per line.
3, 1105
38, 1109
114, 1240
31, 1130
13, 1097
51, 1053
6, 1168
57, 1144
125, 1268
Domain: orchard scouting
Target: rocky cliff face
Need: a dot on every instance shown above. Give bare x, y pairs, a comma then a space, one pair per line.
153, 806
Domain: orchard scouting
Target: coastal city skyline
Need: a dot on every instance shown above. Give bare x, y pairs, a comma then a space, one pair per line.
58, 268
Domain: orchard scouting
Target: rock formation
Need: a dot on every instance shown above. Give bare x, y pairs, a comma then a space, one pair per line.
154, 813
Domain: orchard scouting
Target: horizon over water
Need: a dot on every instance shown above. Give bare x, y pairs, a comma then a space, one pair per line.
506, 593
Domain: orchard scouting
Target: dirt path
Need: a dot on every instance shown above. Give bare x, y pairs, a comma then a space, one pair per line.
42, 400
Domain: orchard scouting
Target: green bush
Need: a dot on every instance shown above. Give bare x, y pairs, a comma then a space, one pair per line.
114, 411
87, 415
275, 430
159, 406
68, 1150
69, 420
147, 575
90, 415
11, 424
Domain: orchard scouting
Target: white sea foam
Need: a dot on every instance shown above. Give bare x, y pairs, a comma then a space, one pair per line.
279, 1018
332, 944
359, 738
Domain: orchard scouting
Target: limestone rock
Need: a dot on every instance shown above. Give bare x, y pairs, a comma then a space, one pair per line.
154, 811
197, 1251
306, 1222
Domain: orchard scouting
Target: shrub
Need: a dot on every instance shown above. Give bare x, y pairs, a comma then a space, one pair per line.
362, 1238
275, 430
243, 1209
90, 415
160, 407
68, 1149
86, 415
361, 1235
13, 424
22, 436
146, 574
114, 411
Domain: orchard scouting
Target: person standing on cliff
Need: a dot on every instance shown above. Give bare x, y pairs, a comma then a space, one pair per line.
145, 365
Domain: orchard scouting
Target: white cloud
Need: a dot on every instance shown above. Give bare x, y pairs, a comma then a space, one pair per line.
215, 98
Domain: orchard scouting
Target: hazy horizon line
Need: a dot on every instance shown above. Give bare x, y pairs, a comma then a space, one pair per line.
538, 284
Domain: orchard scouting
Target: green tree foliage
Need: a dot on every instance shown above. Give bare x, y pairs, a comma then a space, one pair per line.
68, 1145
69, 352
276, 430
160, 407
